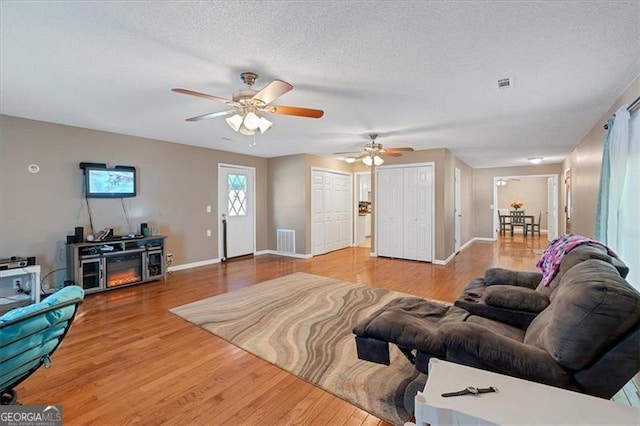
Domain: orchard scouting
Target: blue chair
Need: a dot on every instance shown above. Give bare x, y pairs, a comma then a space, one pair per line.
29, 335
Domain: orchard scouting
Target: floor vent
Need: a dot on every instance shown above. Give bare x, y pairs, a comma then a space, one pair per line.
286, 241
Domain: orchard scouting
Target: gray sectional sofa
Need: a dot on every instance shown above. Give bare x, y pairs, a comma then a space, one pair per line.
582, 332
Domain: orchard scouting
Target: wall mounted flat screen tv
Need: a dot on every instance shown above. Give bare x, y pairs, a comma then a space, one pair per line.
118, 182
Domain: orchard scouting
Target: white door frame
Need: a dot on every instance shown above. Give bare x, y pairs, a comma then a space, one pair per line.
312, 204
494, 211
433, 202
221, 189
457, 209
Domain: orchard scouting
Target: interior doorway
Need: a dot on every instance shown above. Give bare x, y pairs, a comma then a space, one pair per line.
567, 201
538, 192
362, 209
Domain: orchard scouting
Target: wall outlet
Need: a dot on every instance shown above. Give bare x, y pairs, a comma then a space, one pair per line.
17, 284
169, 257
208, 232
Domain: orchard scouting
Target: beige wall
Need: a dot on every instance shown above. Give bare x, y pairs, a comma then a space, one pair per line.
175, 184
483, 191
289, 187
585, 162
533, 193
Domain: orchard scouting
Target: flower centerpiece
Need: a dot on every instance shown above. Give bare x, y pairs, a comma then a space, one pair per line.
517, 205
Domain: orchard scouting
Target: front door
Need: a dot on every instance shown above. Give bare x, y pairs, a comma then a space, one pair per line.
237, 205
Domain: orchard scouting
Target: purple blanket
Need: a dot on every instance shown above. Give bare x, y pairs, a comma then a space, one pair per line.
549, 263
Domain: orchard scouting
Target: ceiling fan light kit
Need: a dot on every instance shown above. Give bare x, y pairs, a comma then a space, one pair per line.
249, 105
248, 124
376, 160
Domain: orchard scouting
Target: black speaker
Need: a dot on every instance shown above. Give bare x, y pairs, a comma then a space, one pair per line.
31, 261
71, 239
144, 229
79, 234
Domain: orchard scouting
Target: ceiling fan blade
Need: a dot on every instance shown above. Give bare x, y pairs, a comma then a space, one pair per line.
290, 110
392, 154
211, 115
273, 91
348, 153
399, 149
201, 95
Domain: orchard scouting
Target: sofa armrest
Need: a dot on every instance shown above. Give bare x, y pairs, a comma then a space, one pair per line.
518, 298
500, 276
503, 354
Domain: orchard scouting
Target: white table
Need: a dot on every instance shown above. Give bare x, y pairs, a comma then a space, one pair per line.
34, 279
517, 402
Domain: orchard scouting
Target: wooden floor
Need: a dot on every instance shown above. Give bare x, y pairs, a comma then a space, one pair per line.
127, 360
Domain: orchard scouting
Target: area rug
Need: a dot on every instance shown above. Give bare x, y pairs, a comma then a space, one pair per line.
302, 323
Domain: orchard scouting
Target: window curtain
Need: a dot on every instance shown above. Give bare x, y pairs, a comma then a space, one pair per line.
617, 223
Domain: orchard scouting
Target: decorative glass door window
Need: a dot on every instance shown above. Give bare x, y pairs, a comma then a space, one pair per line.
237, 194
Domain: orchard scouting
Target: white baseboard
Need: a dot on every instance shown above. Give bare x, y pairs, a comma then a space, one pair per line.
483, 239
192, 265
444, 262
214, 261
464, 246
295, 255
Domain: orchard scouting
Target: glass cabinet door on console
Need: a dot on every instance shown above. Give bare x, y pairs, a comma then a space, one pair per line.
91, 274
153, 264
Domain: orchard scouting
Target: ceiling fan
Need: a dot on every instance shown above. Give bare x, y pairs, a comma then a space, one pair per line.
248, 105
372, 152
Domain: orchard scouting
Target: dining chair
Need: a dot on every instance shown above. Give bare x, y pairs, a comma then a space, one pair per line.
534, 226
517, 219
504, 220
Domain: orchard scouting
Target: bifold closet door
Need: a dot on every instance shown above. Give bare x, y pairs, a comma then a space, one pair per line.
418, 199
331, 211
404, 213
389, 212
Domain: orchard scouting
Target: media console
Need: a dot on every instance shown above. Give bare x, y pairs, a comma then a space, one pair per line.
104, 265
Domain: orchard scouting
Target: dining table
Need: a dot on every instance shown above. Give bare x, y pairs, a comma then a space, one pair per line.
520, 219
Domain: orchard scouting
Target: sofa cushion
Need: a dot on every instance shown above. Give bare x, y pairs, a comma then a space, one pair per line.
498, 327
592, 308
520, 298
500, 276
571, 259
411, 323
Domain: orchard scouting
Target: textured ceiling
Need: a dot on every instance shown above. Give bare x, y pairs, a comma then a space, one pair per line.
422, 74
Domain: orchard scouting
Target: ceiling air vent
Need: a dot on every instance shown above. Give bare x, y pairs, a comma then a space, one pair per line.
505, 83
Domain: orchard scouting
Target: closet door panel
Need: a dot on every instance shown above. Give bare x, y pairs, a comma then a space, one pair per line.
390, 211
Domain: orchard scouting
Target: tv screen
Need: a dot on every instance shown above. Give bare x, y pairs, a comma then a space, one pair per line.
119, 182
